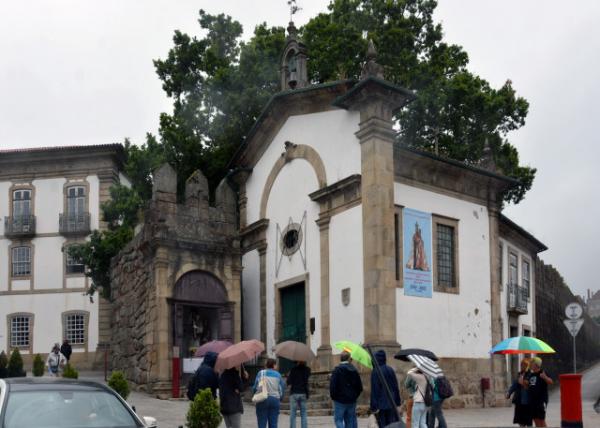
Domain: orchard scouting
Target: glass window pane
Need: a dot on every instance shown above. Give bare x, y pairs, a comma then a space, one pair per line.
75, 329
445, 255
21, 261
19, 331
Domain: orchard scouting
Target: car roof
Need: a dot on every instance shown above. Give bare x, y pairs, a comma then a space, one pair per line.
48, 383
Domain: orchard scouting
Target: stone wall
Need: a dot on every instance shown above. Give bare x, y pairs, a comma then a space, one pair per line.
552, 296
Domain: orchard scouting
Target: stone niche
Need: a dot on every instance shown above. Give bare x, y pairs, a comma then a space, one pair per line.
182, 269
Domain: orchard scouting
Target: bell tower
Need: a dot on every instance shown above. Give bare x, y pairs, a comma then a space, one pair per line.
294, 74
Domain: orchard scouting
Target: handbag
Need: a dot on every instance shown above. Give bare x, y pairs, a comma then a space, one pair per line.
261, 393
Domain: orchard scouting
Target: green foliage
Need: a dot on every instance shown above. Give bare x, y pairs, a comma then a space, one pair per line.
3, 364
204, 411
455, 111
122, 209
70, 372
38, 366
118, 382
15, 364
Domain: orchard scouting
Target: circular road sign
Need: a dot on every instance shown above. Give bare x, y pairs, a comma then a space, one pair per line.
574, 311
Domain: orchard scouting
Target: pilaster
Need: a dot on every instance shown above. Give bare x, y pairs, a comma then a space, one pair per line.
324, 351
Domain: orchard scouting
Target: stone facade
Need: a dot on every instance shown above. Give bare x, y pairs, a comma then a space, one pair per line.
183, 255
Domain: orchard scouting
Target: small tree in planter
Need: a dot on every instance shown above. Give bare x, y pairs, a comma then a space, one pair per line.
118, 382
15, 364
69, 372
38, 366
3, 364
204, 411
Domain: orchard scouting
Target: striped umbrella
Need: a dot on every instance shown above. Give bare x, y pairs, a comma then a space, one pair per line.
522, 345
426, 365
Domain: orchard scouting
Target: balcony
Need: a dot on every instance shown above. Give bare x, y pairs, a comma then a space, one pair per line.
517, 299
22, 226
74, 224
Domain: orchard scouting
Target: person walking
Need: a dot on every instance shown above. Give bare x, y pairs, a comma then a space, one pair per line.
537, 390
231, 386
55, 361
520, 397
205, 377
267, 411
344, 388
66, 350
298, 382
380, 404
417, 381
436, 411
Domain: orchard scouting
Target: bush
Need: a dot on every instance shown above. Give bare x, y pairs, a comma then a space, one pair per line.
38, 365
15, 364
204, 411
118, 382
69, 372
3, 364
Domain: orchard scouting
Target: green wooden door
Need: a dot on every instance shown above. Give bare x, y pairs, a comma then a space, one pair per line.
293, 318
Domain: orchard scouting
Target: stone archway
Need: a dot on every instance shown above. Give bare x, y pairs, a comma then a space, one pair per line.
201, 311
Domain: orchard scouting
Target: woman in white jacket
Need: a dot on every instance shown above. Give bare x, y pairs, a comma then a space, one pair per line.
56, 361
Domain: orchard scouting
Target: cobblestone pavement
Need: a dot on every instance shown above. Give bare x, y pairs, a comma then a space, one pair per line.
171, 413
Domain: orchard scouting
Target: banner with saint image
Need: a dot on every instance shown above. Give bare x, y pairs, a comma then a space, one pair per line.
416, 253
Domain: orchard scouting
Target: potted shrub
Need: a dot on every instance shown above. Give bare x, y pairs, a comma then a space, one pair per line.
118, 382
38, 366
204, 411
15, 364
3, 364
69, 372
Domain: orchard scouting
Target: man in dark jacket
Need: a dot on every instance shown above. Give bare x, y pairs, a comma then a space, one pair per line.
66, 350
344, 388
298, 381
379, 399
230, 397
205, 377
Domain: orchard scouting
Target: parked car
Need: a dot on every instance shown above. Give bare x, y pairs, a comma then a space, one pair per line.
57, 403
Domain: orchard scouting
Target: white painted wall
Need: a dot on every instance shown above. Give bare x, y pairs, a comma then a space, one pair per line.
251, 295
451, 325
346, 271
47, 262
4, 205
49, 202
47, 309
4, 268
289, 198
330, 133
94, 201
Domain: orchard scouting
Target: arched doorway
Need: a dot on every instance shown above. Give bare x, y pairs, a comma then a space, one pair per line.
201, 311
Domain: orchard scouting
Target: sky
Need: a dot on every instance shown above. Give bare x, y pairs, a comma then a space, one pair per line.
81, 72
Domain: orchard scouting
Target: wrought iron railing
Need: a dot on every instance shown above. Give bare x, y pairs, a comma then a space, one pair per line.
517, 298
22, 225
74, 224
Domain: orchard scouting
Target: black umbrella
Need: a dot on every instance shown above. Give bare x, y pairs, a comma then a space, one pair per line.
404, 353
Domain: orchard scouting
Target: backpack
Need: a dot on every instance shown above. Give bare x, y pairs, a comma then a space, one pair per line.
192, 388
444, 389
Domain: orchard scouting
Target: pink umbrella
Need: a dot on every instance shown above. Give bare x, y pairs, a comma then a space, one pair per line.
238, 354
217, 346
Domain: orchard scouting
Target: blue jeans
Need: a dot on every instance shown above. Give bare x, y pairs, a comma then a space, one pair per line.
344, 415
419, 415
267, 411
298, 400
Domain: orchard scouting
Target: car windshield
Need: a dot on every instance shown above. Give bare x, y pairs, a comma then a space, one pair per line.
64, 408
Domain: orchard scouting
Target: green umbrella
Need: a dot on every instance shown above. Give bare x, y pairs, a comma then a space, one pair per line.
357, 352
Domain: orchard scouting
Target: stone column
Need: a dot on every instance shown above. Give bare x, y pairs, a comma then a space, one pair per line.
162, 343
498, 362
324, 351
376, 137
262, 254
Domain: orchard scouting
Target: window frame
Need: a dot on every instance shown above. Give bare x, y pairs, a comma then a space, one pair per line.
14, 247
86, 331
17, 187
66, 265
86, 197
513, 252
436, 220
526, 261
9, 336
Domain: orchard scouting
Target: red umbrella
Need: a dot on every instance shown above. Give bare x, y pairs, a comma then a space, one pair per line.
217, 346
238, 354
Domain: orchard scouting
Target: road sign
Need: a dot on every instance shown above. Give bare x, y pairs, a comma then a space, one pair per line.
573, 326
574, 311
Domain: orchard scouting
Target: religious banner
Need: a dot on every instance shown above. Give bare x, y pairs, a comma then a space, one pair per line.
416, 252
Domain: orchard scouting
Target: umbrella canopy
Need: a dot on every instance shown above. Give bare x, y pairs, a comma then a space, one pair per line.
404, 353
216, 346
426, 365
295, 351
522, 345
238, 354
357, 352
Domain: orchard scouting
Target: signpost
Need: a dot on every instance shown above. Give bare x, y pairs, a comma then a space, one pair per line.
574, 311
